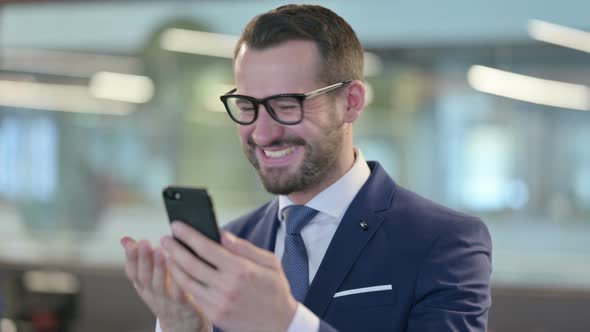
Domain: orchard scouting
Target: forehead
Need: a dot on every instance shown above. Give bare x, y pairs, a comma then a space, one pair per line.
292, 66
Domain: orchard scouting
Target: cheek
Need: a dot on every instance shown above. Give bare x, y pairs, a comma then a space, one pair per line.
319, 125
325, 113
244, 133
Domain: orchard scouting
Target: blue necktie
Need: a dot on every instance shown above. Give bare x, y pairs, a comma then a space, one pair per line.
295, 255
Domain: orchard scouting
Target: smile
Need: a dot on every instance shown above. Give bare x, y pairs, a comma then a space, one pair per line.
279, 153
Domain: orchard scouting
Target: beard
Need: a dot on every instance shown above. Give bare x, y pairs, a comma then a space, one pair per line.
318, 160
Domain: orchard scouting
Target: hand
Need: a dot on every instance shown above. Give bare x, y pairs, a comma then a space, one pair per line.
247, 291
146, 268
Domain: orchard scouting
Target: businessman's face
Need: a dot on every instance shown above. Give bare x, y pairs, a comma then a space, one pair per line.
290, 158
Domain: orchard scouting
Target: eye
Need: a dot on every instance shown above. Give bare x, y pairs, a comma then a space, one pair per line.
286, 104
246, 108
288, 107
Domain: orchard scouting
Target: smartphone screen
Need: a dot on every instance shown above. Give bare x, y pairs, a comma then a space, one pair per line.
192, 206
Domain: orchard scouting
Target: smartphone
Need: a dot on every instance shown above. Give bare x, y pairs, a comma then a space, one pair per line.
194, 207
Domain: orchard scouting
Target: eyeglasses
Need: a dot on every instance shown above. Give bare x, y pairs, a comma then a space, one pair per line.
285, 108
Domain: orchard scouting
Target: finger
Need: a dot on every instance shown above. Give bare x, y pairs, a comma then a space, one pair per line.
145, 265
173, 288
131, 256
247, 250
159, 274
179, 295
199, 292
206, 248
126, 240
191, 265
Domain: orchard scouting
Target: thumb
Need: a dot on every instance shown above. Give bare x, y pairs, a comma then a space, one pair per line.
247, 250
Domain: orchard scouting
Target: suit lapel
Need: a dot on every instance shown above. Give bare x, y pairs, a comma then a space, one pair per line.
350, 239
264, 233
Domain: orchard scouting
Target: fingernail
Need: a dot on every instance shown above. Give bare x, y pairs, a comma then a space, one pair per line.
125, 240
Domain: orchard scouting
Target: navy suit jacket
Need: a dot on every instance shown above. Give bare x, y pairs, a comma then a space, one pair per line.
437, 261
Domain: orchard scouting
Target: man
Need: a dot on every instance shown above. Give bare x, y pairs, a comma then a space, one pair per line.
342, 247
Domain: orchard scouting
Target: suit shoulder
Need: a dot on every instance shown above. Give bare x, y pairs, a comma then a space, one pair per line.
245, 223
425, 213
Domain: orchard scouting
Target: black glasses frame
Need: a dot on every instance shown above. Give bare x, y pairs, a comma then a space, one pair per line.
265, 101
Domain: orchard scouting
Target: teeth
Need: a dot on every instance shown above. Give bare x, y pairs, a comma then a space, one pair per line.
279, 153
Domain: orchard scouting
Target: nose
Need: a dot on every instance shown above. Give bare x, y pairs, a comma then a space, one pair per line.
266, 129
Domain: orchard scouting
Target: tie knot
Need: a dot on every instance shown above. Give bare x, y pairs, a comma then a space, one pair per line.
297, 216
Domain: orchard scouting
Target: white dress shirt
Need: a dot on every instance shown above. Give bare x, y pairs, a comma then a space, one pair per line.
331, 205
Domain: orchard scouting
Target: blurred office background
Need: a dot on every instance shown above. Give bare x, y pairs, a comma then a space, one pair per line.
481, 105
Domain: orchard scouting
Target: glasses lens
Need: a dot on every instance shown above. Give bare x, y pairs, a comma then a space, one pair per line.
242, 110
287, 109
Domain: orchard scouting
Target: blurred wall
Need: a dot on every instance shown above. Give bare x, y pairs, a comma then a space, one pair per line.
473, 105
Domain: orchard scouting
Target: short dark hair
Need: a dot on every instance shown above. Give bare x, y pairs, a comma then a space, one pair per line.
336, 40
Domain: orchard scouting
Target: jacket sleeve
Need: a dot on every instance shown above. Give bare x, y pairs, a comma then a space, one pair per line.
453, 286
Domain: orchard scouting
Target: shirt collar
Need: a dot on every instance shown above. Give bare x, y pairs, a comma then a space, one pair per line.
335, 199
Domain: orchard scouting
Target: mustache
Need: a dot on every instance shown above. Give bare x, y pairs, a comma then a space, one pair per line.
277, 143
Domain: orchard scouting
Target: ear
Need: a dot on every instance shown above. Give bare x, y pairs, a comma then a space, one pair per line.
355, 100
